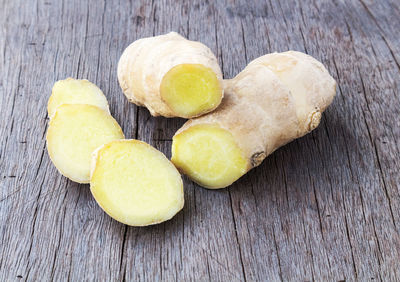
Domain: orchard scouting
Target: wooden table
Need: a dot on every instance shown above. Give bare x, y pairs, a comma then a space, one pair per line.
325, 207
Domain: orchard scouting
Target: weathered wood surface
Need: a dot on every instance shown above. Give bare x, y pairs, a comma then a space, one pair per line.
325, 207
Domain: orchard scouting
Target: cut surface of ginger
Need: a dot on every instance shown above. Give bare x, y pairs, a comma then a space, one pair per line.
190, 89
209, 155
75, 91
135, 184
74, 132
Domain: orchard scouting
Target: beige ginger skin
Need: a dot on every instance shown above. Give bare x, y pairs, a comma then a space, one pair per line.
277, 98
171, 76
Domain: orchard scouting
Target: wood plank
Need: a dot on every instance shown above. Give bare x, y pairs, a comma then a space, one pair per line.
325, 207
200, 240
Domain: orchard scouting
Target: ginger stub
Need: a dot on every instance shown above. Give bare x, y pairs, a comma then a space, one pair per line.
277, 98
74, 132
171, 76
135, 184
75, 91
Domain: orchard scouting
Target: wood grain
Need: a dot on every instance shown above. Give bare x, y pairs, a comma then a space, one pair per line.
325, 207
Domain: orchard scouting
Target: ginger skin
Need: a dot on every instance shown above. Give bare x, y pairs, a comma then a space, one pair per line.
277, 98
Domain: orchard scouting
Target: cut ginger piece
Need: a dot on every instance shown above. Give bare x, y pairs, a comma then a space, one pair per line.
191, 90
209, 155
75, 91
171, 76
74, 132
135, 184
277, 98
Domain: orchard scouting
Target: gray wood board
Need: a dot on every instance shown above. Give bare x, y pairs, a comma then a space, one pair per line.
325, 207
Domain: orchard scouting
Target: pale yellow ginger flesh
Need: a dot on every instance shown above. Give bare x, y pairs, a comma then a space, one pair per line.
191, 89
74, 132
277, 98
209, 155
135, 184
75, 91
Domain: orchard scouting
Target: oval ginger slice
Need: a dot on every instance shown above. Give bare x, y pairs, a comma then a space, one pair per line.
135, 184
76, 91
74, 132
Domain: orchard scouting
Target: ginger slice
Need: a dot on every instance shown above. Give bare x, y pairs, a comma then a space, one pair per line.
75, 91
190, 90
74, 132
135, 184
209, 155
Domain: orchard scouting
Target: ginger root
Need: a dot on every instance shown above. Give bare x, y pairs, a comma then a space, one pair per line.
74, 132
171, 76
277, 98
135, 184
76, 91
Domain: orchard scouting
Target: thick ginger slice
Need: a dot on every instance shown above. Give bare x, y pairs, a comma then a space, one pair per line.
135, 184
75, 91
277, 98
190, 89
74, 132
